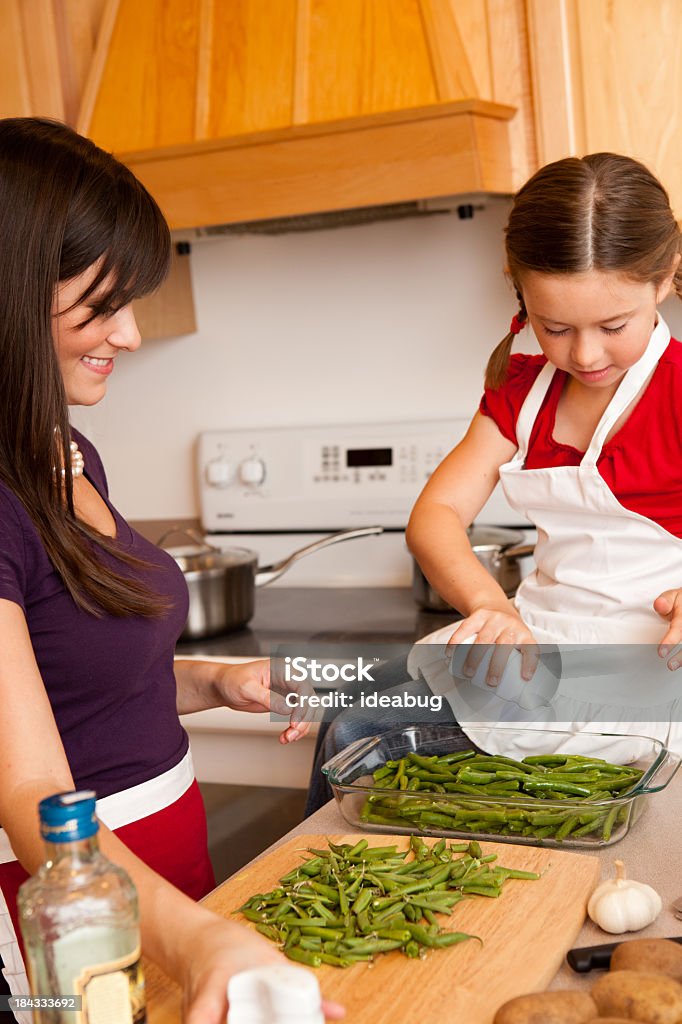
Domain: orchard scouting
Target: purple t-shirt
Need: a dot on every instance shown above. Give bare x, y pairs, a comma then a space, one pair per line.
109, 680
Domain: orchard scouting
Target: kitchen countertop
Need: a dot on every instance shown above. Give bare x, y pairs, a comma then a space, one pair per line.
386, 616
651, 854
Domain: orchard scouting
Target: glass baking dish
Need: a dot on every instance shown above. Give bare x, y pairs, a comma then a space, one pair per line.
362, 801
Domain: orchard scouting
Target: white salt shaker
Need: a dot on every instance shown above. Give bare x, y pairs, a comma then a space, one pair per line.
279, 994
529, 694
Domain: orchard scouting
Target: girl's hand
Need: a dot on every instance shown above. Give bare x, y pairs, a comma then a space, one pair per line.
221, 949
247, 687
505, 629
669, 606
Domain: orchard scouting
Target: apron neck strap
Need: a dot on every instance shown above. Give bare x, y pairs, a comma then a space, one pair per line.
628, 389
531, 407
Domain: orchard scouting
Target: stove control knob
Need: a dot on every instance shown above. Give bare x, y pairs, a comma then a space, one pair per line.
252, 471
218, 472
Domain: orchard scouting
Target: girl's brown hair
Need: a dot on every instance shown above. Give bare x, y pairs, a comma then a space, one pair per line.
65, 205
600, 212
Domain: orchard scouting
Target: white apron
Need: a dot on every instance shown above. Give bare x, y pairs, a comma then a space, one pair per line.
599, 568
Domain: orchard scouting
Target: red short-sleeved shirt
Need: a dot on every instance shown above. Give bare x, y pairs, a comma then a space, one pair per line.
641, 464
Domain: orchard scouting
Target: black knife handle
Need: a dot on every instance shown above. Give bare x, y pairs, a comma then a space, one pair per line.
591, 958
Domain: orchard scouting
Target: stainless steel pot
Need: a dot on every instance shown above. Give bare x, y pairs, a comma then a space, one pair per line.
222, 583
498, 551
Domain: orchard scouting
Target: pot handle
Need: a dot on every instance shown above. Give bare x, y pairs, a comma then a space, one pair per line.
187, 532
518, 551
267, 573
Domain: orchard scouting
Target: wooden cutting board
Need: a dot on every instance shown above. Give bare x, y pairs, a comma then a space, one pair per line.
525, 933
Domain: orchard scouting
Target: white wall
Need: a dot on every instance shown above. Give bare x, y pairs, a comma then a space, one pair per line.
389, 321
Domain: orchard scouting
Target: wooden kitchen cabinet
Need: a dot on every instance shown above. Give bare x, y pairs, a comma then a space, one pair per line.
607, 75
253, 109
46, 50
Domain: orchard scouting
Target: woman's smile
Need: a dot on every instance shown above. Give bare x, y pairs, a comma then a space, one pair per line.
98, 365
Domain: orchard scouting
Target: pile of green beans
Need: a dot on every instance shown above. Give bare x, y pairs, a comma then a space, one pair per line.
350, 903
577, 780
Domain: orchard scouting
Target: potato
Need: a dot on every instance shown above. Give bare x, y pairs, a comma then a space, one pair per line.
655, 956
636, 995
548, 1008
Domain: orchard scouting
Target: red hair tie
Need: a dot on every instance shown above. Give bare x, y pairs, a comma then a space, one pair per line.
517, 324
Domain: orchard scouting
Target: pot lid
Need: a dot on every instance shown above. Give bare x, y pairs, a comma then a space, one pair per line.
195, 557
493, 536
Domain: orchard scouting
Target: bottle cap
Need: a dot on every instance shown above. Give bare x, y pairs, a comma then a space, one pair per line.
277, 994
67, 817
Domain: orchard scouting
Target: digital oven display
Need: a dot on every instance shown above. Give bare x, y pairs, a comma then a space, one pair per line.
357, 457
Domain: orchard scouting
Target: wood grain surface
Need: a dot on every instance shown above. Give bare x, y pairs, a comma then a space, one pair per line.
525, 934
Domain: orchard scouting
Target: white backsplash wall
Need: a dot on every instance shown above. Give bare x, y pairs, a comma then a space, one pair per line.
388, 321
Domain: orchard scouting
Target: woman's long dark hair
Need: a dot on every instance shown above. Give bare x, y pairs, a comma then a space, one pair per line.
599, 212
65, 205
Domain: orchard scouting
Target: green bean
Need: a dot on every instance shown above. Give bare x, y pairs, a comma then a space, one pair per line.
372, 945
516, 873
303, 956
609, 823
254, 916
422, 762
411, 912
472, 777
452, 938
452, 758
312, 867
362, 901
322, 933
364, 923
401, 935
326, 890
591, 826
435, 819
546, 759
481, 890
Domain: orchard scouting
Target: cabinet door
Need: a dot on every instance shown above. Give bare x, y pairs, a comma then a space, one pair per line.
607, 76
46, 47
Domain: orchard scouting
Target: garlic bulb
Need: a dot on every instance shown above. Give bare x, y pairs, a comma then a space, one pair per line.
621, 905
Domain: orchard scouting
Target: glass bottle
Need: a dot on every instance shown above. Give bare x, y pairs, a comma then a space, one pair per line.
79, 920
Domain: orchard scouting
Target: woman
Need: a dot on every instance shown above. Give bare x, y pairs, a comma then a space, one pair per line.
89, 611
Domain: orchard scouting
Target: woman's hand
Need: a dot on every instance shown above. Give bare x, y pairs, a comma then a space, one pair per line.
221, 949
248, 687
669, 606
502, 627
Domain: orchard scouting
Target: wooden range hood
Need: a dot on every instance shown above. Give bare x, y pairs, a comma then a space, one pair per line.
239, 110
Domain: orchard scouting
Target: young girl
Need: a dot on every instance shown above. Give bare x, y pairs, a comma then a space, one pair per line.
89, 611
586, 441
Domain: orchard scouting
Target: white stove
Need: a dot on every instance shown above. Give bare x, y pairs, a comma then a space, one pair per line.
275, 489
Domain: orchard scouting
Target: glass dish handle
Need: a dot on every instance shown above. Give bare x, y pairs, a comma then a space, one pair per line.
346, 756
668, 766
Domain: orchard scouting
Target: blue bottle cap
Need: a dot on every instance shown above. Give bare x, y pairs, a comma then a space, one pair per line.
67, 817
